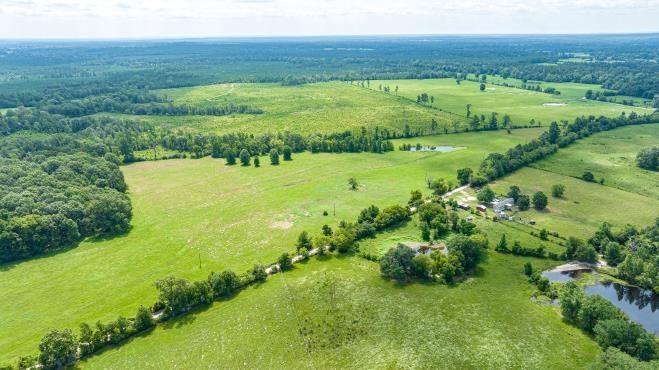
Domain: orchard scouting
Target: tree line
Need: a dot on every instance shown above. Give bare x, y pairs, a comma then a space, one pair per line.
177, 296
497, 165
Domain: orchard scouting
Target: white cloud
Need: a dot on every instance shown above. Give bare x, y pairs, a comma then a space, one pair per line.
123, 18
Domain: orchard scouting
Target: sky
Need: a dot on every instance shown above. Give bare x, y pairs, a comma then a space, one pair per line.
91, 19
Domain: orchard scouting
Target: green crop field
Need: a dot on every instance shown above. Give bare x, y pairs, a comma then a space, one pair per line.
310, 108
521, 105
229, 217
610, 155
486, 322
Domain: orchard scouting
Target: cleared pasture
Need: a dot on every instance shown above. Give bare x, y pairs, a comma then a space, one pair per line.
310, 108
521, 105
610, 156
187, 211
485, 322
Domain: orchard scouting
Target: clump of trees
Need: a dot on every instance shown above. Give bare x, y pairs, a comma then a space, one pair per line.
51, 203
648, 158
634, 253
608, 325
464, 254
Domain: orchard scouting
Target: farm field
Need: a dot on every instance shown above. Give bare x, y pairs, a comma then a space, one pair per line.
584, 204
610, 155
305, 109
521, 105
185, 211
485, 322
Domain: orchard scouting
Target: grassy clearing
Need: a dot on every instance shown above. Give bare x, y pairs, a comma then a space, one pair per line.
521, 105
486, 322
584, 207
227, 217
310, 108
610, 155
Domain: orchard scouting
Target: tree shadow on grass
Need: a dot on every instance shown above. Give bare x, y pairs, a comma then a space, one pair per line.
112, 347
12, 264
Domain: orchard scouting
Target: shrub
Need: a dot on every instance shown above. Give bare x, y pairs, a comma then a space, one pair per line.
258, 273
558, 190
285, 262
224, 283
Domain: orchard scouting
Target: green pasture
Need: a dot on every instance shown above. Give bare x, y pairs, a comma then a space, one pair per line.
310, 108
583, 208
521, 105
187, 211
610, 155
339, 313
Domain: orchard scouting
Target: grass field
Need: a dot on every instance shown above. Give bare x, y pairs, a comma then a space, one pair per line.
486, 322
310, 108
229, 217
630, 195
585, 205
610, 155
521, 105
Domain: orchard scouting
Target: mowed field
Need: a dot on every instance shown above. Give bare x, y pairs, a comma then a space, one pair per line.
487, 321
311, 108
521, 105
628, 195
187, 211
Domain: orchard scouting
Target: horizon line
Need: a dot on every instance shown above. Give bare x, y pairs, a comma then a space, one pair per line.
328, 36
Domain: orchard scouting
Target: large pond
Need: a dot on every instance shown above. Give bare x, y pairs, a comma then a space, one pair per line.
640, 305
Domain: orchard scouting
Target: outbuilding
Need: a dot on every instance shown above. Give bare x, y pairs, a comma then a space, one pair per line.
481, 208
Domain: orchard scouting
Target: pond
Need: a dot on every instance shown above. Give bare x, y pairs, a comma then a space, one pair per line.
440, 148
564, 276
640, 305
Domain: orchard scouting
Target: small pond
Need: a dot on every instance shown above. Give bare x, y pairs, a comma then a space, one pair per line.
564, 276
640, 305
441, 148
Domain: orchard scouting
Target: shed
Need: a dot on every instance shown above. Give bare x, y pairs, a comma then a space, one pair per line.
500, 205
481, 208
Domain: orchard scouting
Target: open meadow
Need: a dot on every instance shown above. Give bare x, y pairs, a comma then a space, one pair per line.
339, 313
610, 156
192, 211
311, 108
521, 105
629, 194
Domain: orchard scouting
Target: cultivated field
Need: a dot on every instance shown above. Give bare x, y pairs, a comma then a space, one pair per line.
367, 322
521, 105
310, 108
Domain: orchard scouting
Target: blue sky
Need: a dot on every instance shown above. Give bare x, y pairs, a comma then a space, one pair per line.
215, 18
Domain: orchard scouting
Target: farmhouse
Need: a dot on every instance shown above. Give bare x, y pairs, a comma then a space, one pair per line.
425, 248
